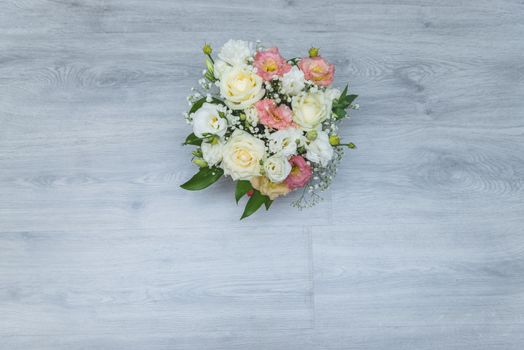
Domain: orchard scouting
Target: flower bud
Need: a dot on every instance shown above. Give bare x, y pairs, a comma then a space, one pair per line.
210, 66
311, 135
200, 162
334, 140
313, 52
197, 153
242, 116
207, 49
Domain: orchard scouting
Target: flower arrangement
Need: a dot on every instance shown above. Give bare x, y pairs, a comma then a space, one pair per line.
267, 122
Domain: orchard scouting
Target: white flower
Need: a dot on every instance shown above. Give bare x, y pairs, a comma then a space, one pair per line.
219, 68
285, 141
241, 87
206, 120
236, 52
212, 153
251, 115
331, 95
242, 155
310, 109
319, 150
277, 168
293, 82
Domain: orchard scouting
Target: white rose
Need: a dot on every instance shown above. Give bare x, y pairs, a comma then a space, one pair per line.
241, 87
219, 68
212, 153
285, 141
277, 168
241, 156
310, 109
320, 150
206, 120
293, 82
236, 52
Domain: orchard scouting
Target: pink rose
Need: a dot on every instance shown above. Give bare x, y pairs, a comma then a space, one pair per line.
272, 116
300, 173
317, 70
269, 63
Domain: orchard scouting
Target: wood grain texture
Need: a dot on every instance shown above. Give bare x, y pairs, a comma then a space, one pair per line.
418, 245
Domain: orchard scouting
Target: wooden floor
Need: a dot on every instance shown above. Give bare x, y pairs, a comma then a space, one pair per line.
418, 245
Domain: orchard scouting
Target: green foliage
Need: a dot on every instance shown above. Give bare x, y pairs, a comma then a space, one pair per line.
350, 145
243, 187
204, 178
198, 103
254, 203
192, 139
342, 103
196, 106
294, 60
268, 203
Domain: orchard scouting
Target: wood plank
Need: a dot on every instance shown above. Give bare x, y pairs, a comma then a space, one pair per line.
418, 275
417, 246
452, 337
156, 281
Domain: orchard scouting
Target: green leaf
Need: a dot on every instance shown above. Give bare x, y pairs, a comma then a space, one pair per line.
196, 106
345, 91
209, 76
342, 103
198, 103
294, 60
192, 139
268, 203
350, 99
243, 187
253, 204
204, 178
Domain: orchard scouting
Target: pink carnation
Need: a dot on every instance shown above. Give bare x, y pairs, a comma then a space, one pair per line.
317, 70
269, 63
300, 173
272, 116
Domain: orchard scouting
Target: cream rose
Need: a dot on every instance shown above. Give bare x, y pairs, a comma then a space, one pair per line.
310, 109
206, 120
242, 155
240, 87
277, 168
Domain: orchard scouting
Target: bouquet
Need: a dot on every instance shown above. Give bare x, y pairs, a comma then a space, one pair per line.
268, 123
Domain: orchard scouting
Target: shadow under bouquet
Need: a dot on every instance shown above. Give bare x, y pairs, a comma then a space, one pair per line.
268, 123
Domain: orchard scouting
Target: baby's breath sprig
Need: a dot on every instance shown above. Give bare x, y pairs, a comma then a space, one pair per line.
322, 179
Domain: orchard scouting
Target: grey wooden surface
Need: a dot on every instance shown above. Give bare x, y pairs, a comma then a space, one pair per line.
418, 245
